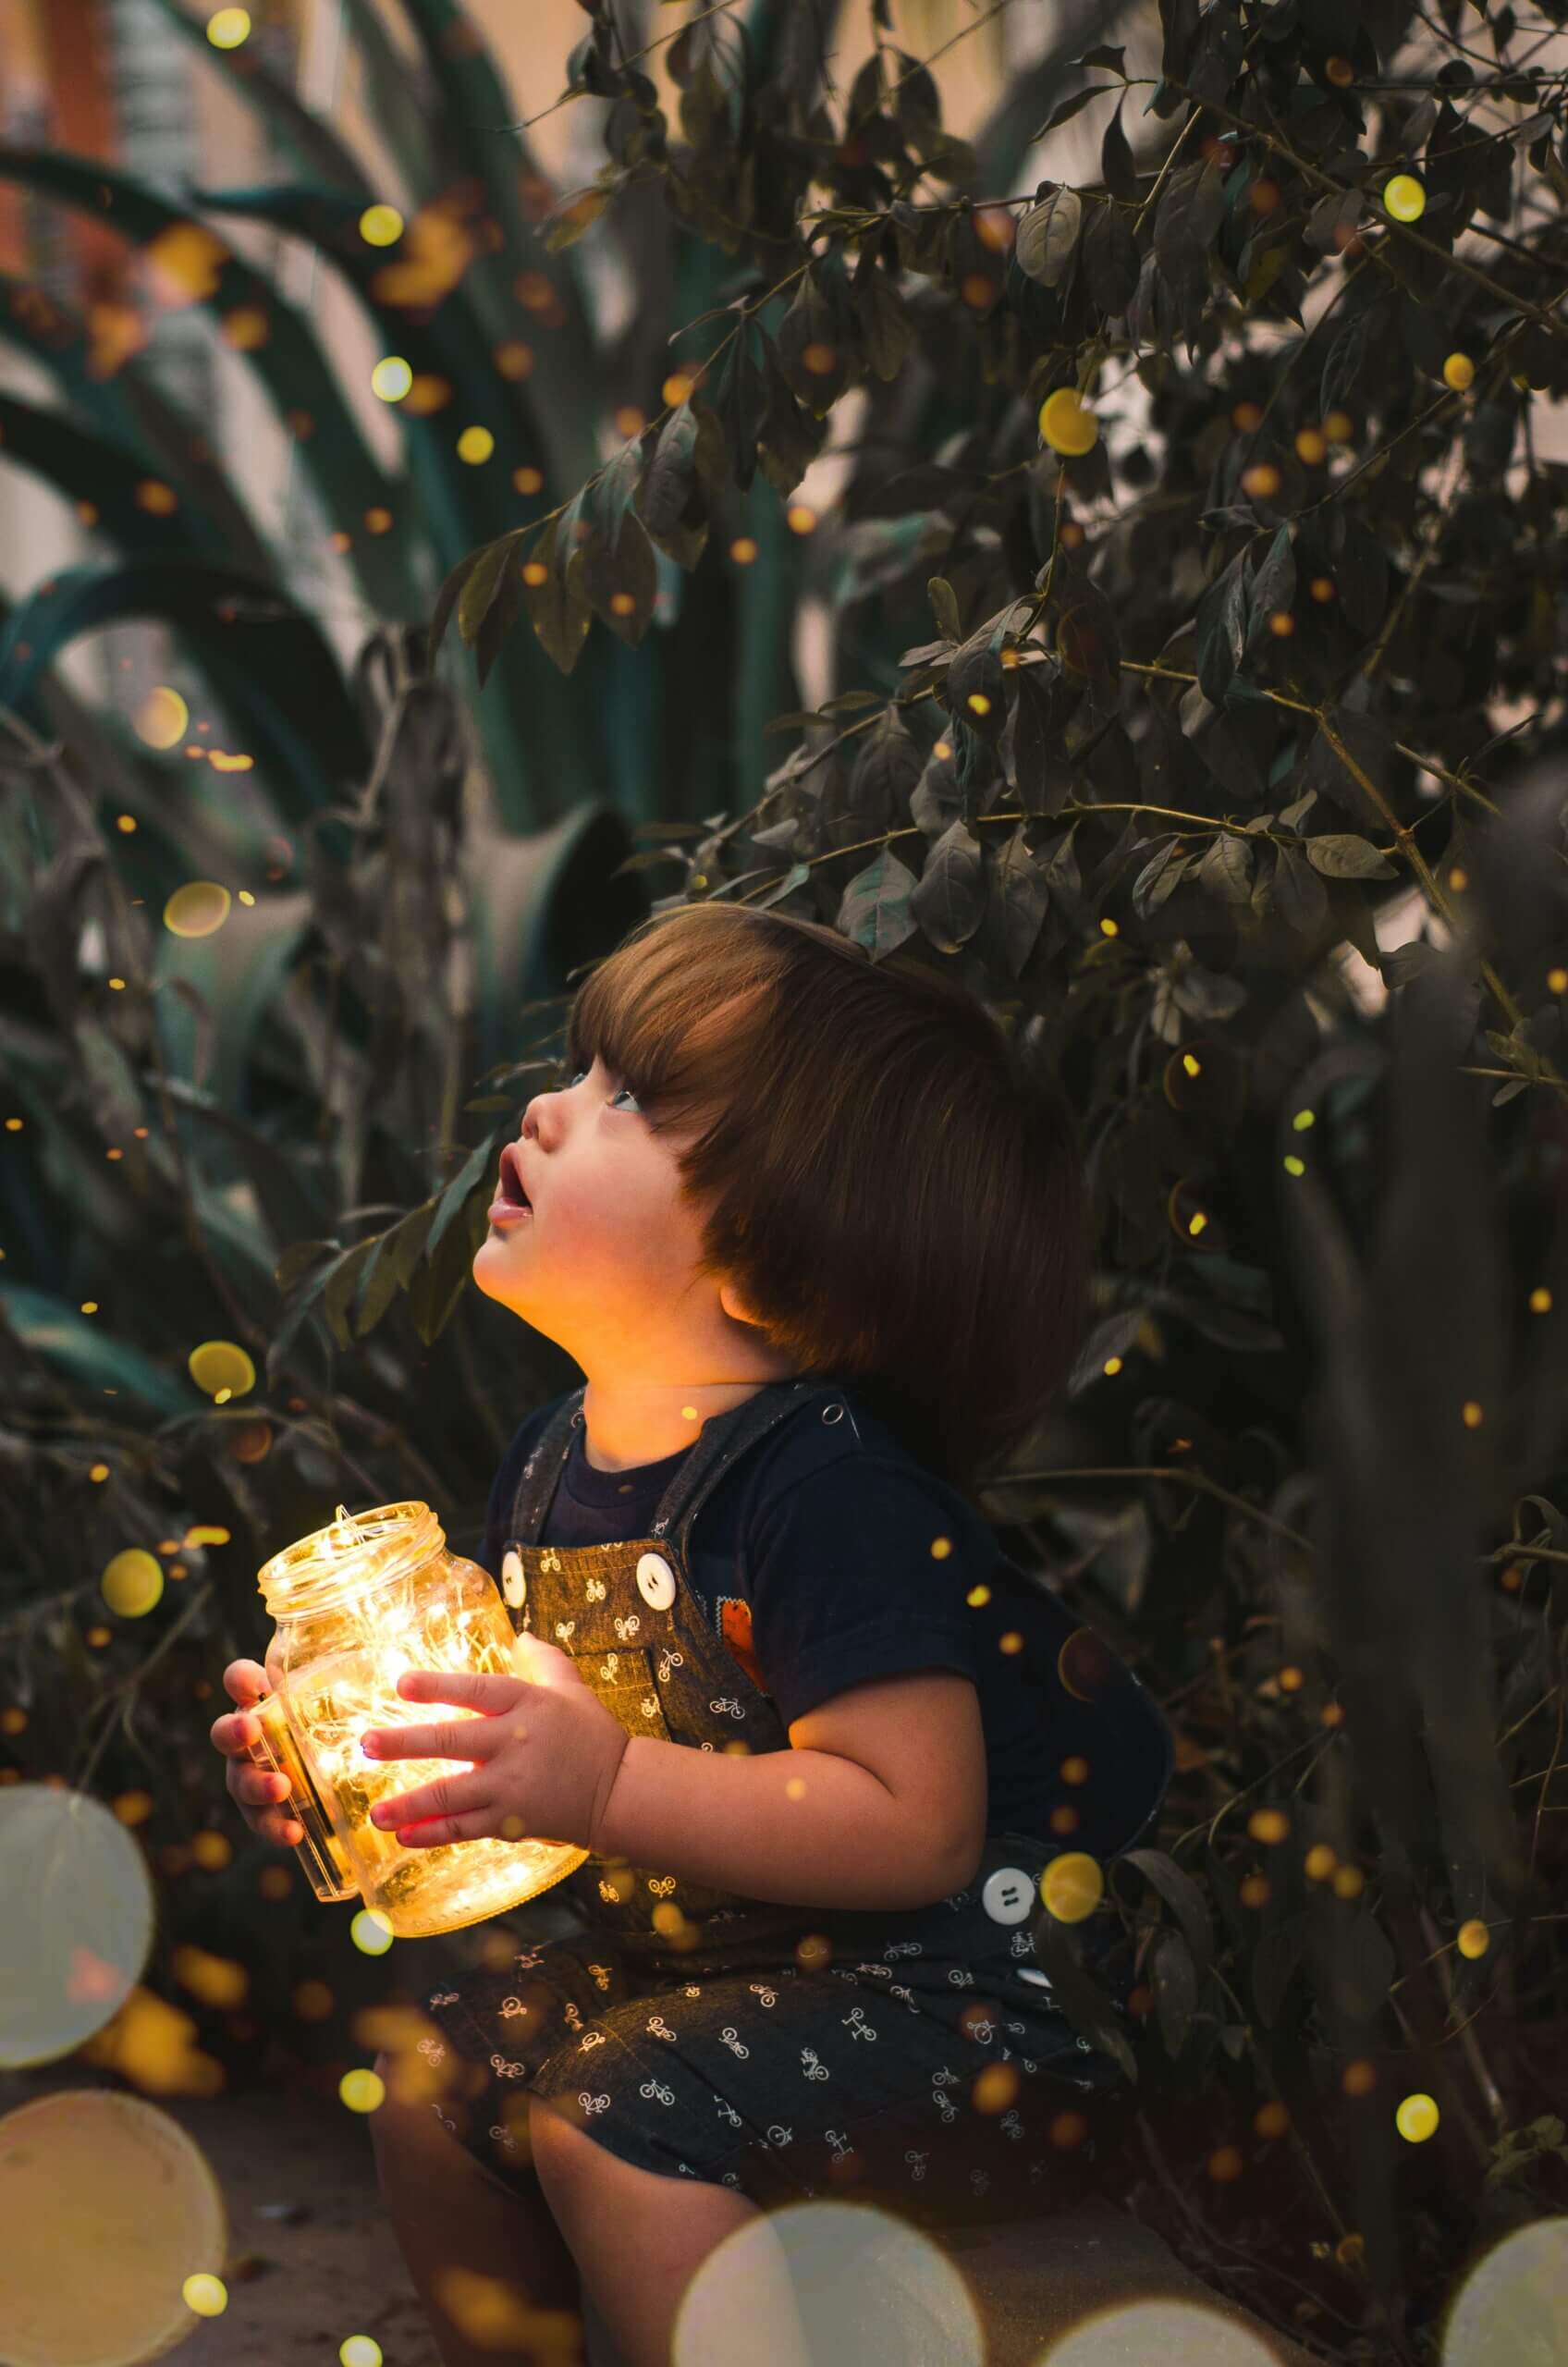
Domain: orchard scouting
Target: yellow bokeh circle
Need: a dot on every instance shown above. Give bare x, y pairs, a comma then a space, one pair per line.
363, 2091
208, 2295
1066, 425
474, 445
381, 226
227, 28
108, 2209
132, 1583
370, 1933
1416, 2118
1404, 198
360, 2350
1459, 372
1072, 1886
391, 378
162, 718
197, 909
221, 1371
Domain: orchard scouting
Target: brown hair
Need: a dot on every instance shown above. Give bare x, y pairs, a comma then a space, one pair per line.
892, 1185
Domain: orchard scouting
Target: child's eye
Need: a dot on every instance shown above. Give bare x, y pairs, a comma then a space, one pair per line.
615, 1096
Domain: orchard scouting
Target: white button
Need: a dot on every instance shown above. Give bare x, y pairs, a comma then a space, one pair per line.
514, 1586
656, 1582
1008, 1895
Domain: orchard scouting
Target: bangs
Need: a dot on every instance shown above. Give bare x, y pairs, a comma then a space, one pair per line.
679, 1010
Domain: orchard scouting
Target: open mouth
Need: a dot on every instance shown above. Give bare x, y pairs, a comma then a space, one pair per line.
512, 1188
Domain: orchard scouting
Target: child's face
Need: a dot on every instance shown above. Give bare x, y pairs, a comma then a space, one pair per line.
607, 1264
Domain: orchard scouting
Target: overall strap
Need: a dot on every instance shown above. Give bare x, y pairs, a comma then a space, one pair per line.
540, 1473
721, 1438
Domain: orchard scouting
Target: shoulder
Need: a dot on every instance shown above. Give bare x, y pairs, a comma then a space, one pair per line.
837, 1461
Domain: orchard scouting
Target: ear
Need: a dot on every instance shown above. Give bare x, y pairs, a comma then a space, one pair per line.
732, 1305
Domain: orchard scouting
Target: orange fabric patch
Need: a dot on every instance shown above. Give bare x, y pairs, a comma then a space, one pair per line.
735, 1626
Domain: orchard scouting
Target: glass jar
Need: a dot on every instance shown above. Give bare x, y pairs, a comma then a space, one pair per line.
357, 1604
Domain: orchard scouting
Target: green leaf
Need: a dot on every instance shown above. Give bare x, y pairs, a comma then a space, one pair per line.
1182, 1894
1342, 855
739, 400
580, 213
875, 909
1221, 621
1069, 107
1080, 1997
1110, 261
342, 1282
446, 600
1117, 169
944, 608
1047, 235
483, 584
1159, 877
559, 613
1273, 587
885, 324
949, 900
396, 1253
297, 1259
1175, 1986
460, 1191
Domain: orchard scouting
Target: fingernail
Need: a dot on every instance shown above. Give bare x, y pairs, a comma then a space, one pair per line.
369, 1746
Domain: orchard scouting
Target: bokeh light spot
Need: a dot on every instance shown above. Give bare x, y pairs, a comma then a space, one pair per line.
110, 2212
74, 1958
381, 226
391, 378
132, 1583
162, 718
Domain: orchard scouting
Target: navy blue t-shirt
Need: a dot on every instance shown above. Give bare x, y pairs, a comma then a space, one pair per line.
825, 1578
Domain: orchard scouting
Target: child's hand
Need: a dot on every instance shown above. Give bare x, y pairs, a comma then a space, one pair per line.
542, 1760
255, 1791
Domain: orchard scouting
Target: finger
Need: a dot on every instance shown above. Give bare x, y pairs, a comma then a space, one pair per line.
434, 1831
471, 1738
233, 1734
261, 1787
245, 1681
449, 1795
470, 1689
284, 1830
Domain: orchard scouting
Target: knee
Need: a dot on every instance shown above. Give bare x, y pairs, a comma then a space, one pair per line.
397, 2123
555, 2143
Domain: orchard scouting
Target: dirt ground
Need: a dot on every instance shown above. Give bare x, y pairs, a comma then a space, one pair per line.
300, 2280
311, 2257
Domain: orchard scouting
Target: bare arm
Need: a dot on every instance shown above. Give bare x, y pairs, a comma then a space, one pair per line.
803, 1827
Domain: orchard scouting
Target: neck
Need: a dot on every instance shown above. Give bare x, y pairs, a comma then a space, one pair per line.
627, 1424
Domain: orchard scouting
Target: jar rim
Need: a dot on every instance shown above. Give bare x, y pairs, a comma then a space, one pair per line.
386, 1542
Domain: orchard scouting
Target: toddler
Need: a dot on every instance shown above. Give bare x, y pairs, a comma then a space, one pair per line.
812, 1228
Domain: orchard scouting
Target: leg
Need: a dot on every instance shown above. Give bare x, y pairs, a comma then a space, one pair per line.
640, 2239
484, 2258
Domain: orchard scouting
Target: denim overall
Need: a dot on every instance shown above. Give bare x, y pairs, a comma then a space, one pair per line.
783, 2050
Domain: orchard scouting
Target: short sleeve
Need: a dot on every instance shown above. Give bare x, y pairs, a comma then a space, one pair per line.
844, 1587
